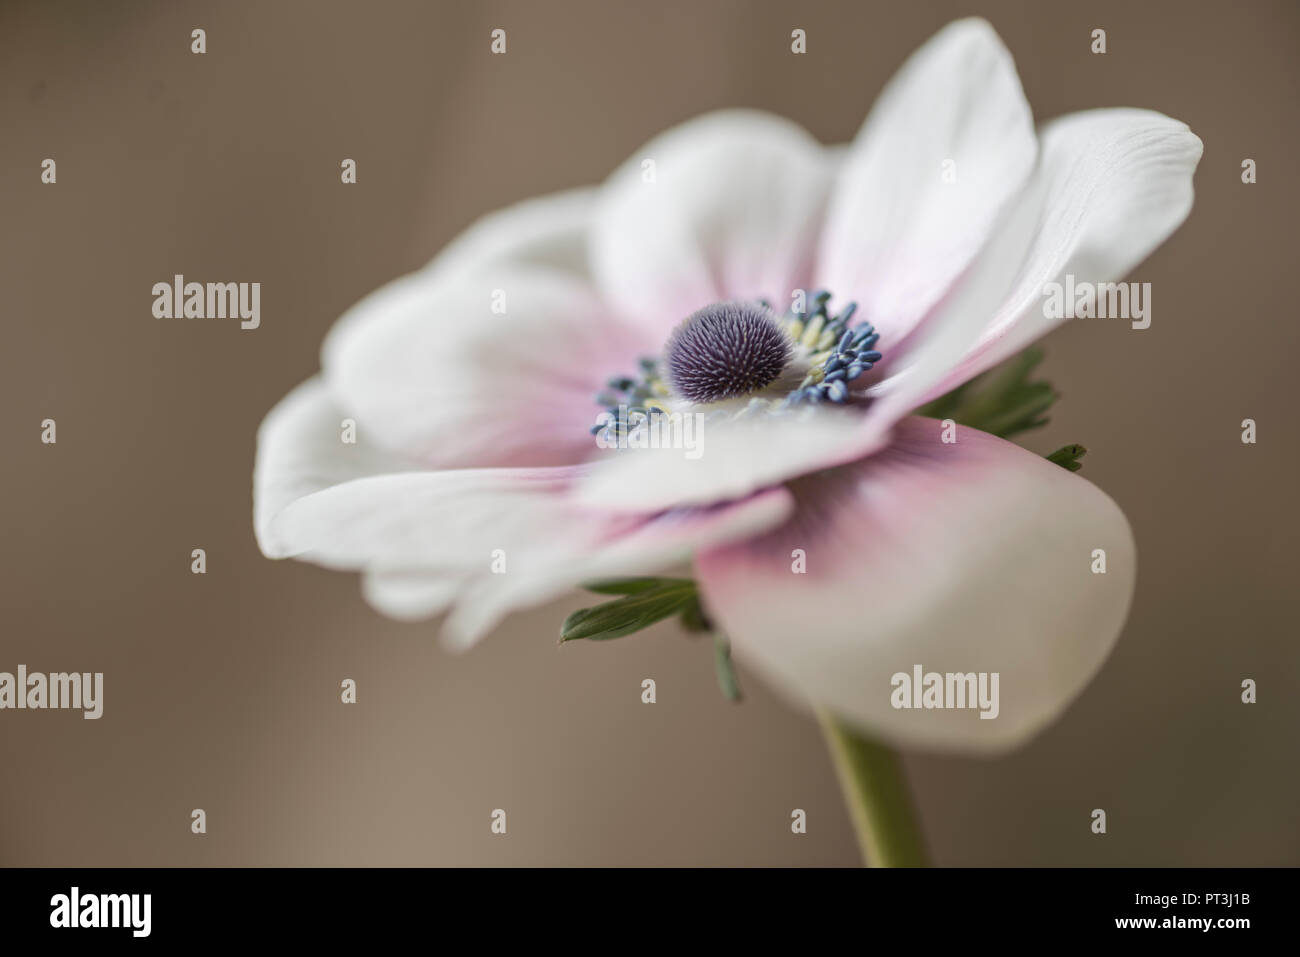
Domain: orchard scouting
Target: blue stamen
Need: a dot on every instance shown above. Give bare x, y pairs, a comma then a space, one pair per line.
850, 356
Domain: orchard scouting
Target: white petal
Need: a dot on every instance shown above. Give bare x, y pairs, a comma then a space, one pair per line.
549, 231
300, 451
490, 540
1110, 187
431, 370
897, 234
971, 557
448, 522
420, 538
734, 459
410, 595
732, 213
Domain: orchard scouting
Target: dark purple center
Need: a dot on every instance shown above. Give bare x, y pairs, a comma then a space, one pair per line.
726, 350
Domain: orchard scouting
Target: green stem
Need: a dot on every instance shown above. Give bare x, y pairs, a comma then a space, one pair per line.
871, 778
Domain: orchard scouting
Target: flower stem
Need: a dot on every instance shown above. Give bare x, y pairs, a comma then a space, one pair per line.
871, 779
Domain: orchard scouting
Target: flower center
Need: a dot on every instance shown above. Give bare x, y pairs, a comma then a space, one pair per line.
726, 350
729, 351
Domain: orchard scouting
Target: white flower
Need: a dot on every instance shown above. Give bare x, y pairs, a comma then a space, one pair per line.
473, 426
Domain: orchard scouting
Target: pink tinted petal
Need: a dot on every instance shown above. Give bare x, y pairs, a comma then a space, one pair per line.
1110, 187
606, 546
732, 212
897, 234
434, 369
968, 557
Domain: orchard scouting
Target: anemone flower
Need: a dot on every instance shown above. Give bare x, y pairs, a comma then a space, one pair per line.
800, 303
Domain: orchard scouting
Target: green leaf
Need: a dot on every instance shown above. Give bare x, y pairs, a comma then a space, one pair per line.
725, 670
1002, 401
631, 586
614, 619
644, 602
1067, 457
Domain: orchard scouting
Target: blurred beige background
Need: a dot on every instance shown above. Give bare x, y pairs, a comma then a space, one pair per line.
222, 690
